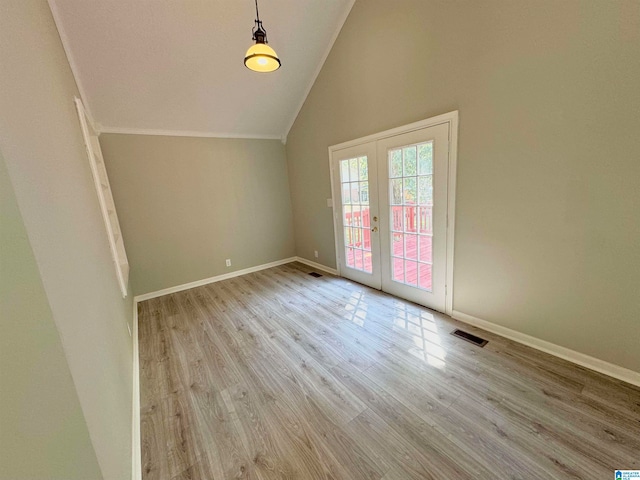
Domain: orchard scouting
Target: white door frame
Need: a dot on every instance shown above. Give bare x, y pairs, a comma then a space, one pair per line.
452, 119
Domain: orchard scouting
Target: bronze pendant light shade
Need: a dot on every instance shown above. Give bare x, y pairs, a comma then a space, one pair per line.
261, 57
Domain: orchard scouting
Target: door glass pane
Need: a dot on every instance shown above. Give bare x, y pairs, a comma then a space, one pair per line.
395, 167
363, 168
350, 260
411, 273
354, 188
364, 193
425, 158
411, 208
344, 171
366, 219
347, 214
398, 269
411, 247
397, 215
425, 276
398, 244
354, 192
368, 266
346, 194
409, 159
410, 219
357, 237
425, 190
410, 190
395, 191
425, 220
425, 244
348, 237
353, 170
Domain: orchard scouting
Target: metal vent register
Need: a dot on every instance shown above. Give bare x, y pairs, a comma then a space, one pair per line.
469, 337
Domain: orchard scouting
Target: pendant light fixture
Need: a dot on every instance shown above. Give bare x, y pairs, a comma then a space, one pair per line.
261, 57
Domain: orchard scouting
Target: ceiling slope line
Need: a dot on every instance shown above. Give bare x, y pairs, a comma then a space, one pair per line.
66, 46
318, 70
185, 133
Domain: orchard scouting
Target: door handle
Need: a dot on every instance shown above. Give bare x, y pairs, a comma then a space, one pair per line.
374, 229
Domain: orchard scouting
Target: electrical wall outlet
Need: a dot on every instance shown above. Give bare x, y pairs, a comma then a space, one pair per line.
315, 253
228, 262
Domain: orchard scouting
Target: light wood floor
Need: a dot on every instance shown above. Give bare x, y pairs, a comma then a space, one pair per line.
278, 375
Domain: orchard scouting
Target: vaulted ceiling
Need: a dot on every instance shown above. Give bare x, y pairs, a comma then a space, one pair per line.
176, 66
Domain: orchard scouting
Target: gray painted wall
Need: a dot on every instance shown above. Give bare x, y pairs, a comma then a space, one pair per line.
186, 204
46, 161
547, 224
43, 432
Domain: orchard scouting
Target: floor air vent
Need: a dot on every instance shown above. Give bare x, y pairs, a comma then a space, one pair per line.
481, 342
315, 274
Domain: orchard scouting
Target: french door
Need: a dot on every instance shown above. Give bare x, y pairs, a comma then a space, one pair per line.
356, 184
391, 198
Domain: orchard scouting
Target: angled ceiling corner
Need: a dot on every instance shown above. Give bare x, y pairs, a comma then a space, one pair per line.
334, 37
64, 39
149, 68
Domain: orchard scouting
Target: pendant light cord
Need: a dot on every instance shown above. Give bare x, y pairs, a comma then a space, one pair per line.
257, 14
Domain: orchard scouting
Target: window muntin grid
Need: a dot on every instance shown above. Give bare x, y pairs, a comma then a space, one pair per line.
356, 218
411, 214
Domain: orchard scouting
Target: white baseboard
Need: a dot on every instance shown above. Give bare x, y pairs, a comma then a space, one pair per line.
135, 441
319, 266
237, 273
136, 455
587, 361
206, 281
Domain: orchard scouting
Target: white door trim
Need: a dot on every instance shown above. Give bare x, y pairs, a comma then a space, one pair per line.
452, 119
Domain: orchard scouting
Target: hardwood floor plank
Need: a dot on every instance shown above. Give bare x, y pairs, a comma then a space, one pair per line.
414, 426
397, 451
358, 457
167, 437
295, 421
221, 451
339, 401
620, 396
570, 435
269, 456
278, 374
336, 339
153, 446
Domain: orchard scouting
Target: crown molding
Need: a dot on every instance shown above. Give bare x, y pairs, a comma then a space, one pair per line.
186, 133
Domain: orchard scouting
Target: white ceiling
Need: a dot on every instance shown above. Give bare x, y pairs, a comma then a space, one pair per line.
176, 66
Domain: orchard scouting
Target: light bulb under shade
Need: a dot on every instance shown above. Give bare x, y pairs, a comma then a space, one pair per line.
261, 58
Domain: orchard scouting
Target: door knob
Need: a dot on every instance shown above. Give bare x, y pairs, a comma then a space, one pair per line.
374, 229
